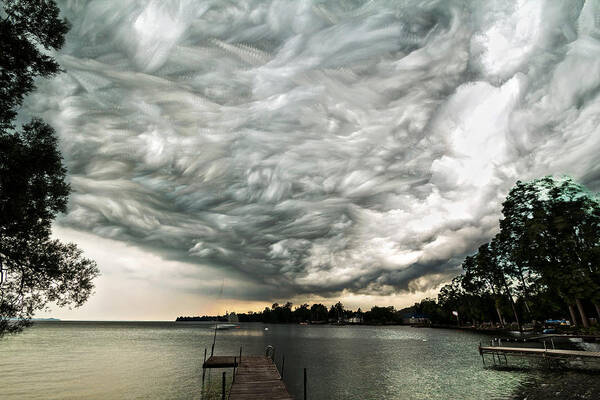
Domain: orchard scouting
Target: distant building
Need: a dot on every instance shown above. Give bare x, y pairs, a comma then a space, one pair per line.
416, 320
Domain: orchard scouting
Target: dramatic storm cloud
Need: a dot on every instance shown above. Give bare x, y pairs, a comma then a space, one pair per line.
317, 146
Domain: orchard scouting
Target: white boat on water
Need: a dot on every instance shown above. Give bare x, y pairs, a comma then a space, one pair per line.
221, 327
232, 320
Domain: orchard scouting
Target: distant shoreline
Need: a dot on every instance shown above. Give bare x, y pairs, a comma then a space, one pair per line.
320, 323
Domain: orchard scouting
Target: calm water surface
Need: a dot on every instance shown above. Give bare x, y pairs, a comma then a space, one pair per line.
163, 360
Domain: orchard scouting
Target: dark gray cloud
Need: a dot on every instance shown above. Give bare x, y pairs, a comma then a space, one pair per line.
316, 146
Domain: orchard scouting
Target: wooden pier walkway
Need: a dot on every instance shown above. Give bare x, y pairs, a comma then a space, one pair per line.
585, 338
550, 354
256, 378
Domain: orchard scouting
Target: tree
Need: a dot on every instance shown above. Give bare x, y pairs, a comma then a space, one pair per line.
332, 314
339, 310
34, 270
381, 315
26, 27
32, 182
501, 269
557, 236
483, 274
302, 313
51, 272
318, 312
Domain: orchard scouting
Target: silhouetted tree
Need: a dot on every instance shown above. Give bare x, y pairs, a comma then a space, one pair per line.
318, 312
34, 270
27, 27
302, 313
561, 238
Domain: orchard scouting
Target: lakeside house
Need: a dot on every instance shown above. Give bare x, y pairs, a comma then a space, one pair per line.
416, 320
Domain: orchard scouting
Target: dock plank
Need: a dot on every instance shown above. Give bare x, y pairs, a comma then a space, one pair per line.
256, 378
220, 362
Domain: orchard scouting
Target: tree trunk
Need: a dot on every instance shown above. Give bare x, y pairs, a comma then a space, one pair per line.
499, 314
573, 316
512, 303
584, 319
525, 295
496, 301
597, 310
528, 308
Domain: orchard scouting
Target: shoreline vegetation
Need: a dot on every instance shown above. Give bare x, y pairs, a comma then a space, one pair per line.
539, 272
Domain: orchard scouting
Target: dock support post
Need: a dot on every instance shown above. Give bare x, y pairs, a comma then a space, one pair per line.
304, 383
203, 369
282, 365
552, 341
223, 387
240, 354
234, 368
481, 353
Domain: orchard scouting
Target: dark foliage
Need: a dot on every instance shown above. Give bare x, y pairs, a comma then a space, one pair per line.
542, 264
28, 29
34, 270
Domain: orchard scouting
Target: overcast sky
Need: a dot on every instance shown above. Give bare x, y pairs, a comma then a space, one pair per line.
310, 150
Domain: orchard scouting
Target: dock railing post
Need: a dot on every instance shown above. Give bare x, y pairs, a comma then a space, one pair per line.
223, 387
282, 365
240, 354
304, 383
481, 353
234, 367
552, 341
203, 369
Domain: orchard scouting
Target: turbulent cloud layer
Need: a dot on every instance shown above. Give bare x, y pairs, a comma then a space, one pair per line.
316, 146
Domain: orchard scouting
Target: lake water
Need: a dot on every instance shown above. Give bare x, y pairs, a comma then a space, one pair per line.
163, 360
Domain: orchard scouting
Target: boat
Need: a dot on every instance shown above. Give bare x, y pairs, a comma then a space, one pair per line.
221, 327
232, 320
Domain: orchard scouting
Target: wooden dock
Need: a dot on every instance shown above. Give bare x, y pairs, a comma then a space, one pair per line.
585, 338
256, 378
548, 354
539, 352
221, 362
